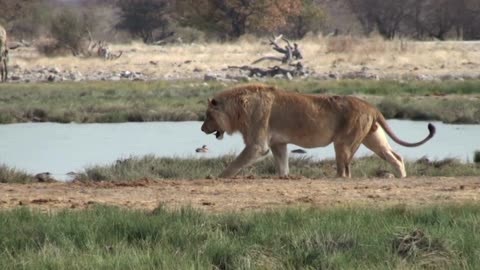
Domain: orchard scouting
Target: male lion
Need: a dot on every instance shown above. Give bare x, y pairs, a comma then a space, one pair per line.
270, 118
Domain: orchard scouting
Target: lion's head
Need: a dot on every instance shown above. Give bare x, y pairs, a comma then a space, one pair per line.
217, 119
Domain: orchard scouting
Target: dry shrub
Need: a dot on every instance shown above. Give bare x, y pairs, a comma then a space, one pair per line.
418, 247
313, 38
248, 38
50, 47
189, 35
341, 44
375, 44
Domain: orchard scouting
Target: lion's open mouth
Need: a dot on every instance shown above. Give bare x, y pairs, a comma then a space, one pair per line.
219, 134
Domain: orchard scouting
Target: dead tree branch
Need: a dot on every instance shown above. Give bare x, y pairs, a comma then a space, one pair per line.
297, 70
289, 52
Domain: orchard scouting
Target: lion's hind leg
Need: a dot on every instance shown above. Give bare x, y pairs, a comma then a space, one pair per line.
343, 156
347, 143
377, 142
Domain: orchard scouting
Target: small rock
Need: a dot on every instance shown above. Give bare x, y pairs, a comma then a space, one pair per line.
54, 70
44, 177
210, 77
289, 76
384, 174
126, 74
299, 151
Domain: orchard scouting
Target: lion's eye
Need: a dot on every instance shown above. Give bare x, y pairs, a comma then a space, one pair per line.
214, 102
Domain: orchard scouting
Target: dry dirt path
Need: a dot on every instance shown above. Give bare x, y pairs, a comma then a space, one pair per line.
243, 194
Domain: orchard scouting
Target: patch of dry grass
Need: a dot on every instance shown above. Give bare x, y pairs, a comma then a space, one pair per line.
322, 54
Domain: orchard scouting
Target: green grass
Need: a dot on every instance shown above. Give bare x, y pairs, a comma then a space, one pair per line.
386, 87
152, 167
442, 237
126, 101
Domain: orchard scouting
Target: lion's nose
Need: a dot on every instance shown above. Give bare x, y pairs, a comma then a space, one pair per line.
203, 127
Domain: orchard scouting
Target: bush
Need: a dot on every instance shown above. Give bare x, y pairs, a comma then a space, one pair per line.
341, 44
476, 156
50, 47
69, 29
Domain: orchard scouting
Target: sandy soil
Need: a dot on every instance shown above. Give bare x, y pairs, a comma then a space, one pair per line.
243, 194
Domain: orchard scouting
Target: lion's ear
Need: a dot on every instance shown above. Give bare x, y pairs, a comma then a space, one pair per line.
212, 102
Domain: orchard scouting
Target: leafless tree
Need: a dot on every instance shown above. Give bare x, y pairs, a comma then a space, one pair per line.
385, 16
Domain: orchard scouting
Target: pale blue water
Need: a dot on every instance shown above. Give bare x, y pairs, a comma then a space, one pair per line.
61, 148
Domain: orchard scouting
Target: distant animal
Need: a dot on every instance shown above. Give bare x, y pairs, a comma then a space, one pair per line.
44, 177
270, 118
3, 55
202, 149
104, 52
299, 151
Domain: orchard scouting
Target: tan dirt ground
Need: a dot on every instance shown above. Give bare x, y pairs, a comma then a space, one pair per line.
244, 194
387, 59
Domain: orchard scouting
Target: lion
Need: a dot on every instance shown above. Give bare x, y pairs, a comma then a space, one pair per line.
269, 118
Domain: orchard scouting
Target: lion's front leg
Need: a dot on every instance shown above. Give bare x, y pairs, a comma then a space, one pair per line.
248, 156
280, 155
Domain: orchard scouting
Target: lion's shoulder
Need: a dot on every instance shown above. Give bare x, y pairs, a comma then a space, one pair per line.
248, 89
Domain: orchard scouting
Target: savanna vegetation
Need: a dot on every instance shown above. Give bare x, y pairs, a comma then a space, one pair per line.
333, 39
158, 168
156, 20
87, 102
441, 237
152, 167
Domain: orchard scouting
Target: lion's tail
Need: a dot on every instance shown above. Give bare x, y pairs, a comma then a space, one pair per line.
383, 123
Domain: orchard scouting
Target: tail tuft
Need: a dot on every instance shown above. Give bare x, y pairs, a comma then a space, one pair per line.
431, 129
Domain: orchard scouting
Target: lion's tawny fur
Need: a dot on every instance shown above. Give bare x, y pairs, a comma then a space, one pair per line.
269, 118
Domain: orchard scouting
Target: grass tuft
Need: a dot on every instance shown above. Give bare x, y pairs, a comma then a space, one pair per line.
418, 247
152, 167
11, 175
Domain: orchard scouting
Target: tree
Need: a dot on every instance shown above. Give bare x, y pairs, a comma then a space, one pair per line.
385, 16
310, 19
142, 17
469, 23
233, 18
10, 10
69, 28
13, 13
440, 17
